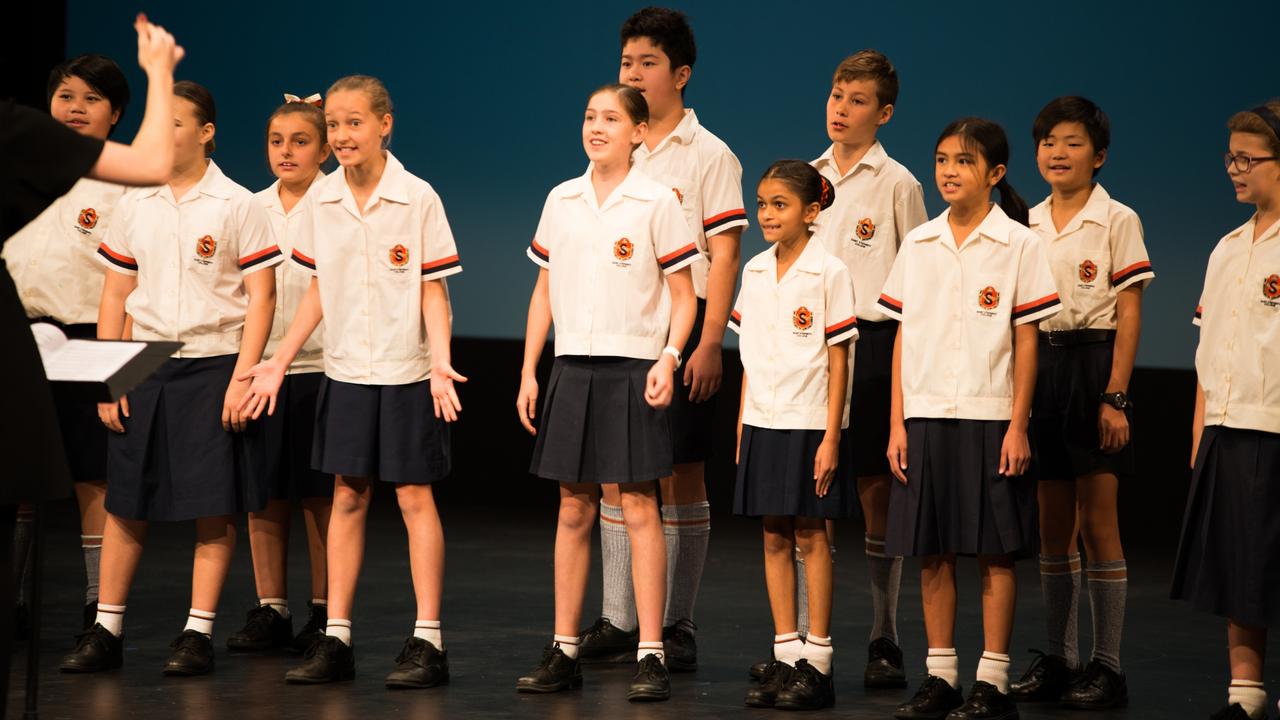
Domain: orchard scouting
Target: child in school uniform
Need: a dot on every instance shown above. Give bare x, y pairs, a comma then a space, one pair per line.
795, 317
1080, 410
52, 261
607, 246
878, 201
189, 261
658, 53
967, 288
296, 151
378, 245
1230, 541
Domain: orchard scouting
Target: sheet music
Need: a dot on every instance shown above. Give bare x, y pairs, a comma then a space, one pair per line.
81, 360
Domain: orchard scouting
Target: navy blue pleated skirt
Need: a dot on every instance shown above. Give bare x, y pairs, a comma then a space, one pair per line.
775, 476
596, 426
174, 461
290, 435
385, 432
1228, 559
955, 500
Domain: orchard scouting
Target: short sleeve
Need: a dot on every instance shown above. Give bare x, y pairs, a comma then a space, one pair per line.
257, 242
539, 250
42, 159
735, 317
303, 252
908, 208
1199, 314
1129, 253
721, 192
439, 252
890, 301
1036, 296
114, 251
842, 325
673, 241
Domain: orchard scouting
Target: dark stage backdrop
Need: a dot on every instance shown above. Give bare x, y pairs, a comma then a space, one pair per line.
489, 96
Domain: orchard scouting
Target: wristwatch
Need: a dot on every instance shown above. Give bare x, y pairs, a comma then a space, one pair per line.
1117, 400
674, 352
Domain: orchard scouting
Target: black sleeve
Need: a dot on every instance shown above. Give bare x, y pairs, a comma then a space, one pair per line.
40, 159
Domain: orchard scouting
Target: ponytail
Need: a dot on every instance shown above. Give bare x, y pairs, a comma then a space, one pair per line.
1012, 203
988, 139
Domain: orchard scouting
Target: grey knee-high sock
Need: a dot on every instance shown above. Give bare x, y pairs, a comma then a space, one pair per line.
687, 531
22, 536
1061, 590
885, 574
619, 605
802, 596
1108, 590
92, 547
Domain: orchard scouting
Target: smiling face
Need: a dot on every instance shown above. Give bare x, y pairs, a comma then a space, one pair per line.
355, 130
1262, 183
854, 112
963, 175
782, 215
295, 149
189, 134
647, 68
78, 106
608, 133
1067, 158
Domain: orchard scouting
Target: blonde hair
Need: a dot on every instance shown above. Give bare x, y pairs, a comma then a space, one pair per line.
1248, 121
372, 87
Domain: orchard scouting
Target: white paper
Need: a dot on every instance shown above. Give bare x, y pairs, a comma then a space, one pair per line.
81, 360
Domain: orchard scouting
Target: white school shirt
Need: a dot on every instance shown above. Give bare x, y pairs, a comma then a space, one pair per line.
607, 264
706, 178
371, 268
292, 281
52, 259
190, 258
877, 203
784, 328
1237, 362
958, 308
1098, 254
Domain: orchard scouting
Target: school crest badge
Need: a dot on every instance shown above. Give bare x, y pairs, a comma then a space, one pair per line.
1088, 271
989, 298
88, 218
623, 250
1271, 287
399, 255
206, 247
802, 318
866, 229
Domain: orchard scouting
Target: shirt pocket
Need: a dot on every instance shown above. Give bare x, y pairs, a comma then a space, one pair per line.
1091, 276
399, 321
686, 191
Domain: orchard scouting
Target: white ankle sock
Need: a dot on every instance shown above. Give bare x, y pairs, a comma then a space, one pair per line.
280, 605
339, 628
1251, 695
111, 617
429, 630
817, 650
320, 602
651, 648
788, 648
943, 663
568, 644
994, 668
201, 621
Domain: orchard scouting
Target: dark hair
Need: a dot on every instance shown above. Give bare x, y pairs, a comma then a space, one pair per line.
870, 65
1073, 108
1256, 121
308, 111
199, 96
98, 72
990, 141
632, 100
668, 29
803, 180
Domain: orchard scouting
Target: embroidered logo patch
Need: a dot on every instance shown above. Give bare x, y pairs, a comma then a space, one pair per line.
623, 249
866, 229
802, 318
399, 255
988, 298
1271, 287
206, 247
1088, 271
88, 218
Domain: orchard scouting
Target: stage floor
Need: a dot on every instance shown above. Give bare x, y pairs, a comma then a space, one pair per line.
498, 615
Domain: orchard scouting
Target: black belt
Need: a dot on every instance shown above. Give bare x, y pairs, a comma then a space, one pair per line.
1068, 338
876, 325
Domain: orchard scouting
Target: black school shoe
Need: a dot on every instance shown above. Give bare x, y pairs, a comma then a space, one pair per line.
680, 646
317, 620
605, 643
773, 680
651, 683
807, 689
192, 655
327, 660
264, 629
90, 615
884, 665
556, 672
419, 665
985, 702
1098, 689
932, 701
1232, 712
96, 650
1045, 681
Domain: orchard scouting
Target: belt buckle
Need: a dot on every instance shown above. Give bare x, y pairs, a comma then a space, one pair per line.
1057, 338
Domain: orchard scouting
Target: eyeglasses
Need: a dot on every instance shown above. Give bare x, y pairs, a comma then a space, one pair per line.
1243, 163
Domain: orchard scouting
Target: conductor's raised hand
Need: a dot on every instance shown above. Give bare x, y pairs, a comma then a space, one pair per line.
158, 52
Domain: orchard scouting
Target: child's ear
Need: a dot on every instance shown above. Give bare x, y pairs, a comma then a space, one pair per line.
682, 74
638, 135
1099, 159
886, 112
997, 174
811, 213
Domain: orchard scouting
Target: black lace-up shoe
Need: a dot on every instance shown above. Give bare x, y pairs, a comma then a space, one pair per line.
605, 643
556, 672
1045, 681
932, 701
1098, 689
419, 665
985, 702
1233, 711
264, 629
773, 680
192, 655
651, 682
680, 646
757, 671
317, 619
884, 665
327, 660
96, 650
807, 689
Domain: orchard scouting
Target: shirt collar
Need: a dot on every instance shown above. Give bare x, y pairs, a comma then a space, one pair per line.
995, 226
271, 196
634, 185
1096, 210
873, 160
684, 133
393, 186
213, 183
1246, 231
810, 260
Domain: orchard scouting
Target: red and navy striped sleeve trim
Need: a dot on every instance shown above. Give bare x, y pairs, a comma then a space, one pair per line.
840, 328
671, 259
122, 261
735, 321
1036, 306
1199, 312
540, 252
1135, 270
725, 218
438, 266
258, 258
890, 304
303, 260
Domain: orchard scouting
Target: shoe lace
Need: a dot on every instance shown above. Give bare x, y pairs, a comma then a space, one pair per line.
413, 652
316, 621
595, 631
805, 674
650, 665
188, 640
321, 648
89, 637
259, 620
931, 685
